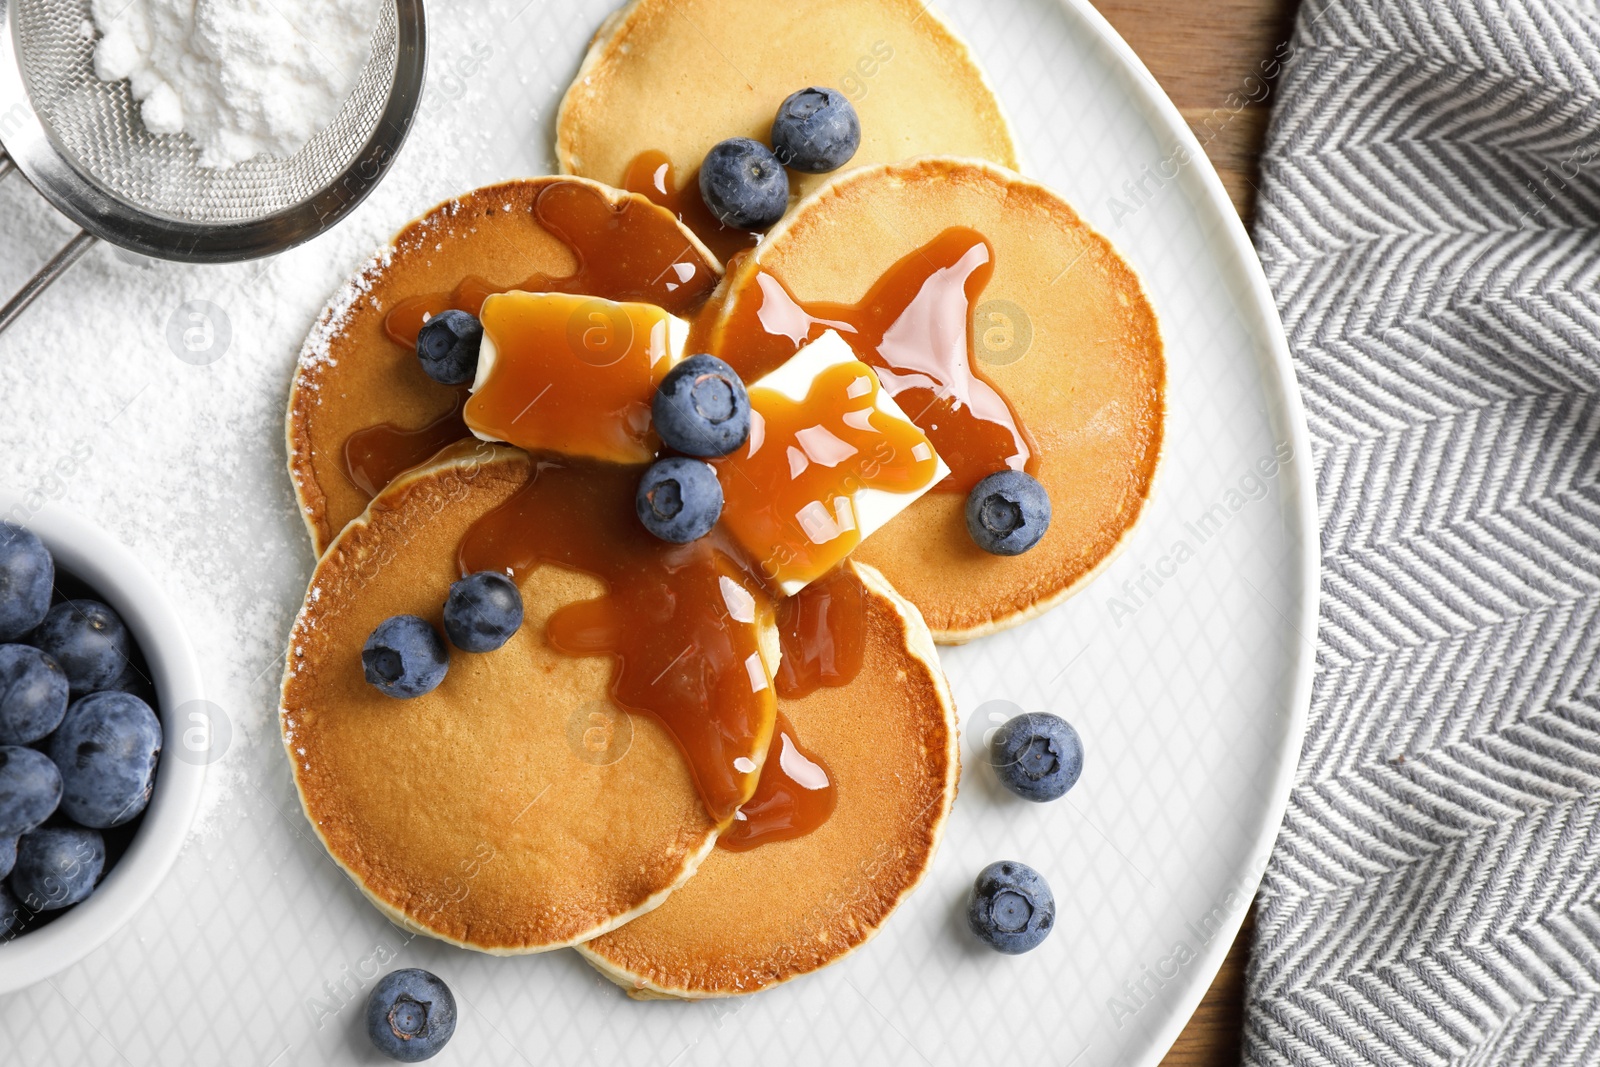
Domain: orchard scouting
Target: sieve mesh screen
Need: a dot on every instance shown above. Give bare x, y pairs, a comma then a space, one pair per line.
96, 124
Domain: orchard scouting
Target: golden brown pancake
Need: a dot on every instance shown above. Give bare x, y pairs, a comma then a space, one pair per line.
352, 376
678, 76
479, 813
1089, 385
750, 920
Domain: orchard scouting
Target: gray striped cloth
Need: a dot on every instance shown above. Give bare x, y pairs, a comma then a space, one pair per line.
1430, 222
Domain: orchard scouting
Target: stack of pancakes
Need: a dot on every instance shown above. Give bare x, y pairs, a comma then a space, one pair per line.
483, 813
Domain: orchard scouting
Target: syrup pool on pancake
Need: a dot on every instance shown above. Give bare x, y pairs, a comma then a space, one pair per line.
376, 455
623, 253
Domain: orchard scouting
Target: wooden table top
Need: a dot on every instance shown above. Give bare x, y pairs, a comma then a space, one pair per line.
1217, 62
1211, 58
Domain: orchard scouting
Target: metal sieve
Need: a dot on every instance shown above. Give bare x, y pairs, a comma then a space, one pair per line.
81, 143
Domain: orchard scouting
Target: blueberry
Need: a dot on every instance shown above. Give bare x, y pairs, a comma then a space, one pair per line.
11, 913
410, 1015
744, 185
1037, 756
448, 347
702, 408
30, 789
1011, 908
135, 681
33, 694
8, 858
89, 642
816, 131
405, 657
482, 612
57, 868
679, 499
1008, 512
27, 574
107, 749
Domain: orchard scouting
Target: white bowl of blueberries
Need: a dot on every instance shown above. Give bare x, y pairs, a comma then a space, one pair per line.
96, 673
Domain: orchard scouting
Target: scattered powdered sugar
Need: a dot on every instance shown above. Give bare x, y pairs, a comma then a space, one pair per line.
330, 324
243, 78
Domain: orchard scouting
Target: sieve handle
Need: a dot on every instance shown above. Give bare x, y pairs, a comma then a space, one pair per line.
48, 273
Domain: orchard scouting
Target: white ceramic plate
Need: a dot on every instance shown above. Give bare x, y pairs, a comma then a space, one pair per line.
1187, 670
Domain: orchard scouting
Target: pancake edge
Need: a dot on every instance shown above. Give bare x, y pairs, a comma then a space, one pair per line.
615, 22
920, 645
727, 290
692, 861
310, 501
332, 320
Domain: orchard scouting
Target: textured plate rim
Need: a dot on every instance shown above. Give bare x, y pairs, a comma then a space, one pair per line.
1234, 251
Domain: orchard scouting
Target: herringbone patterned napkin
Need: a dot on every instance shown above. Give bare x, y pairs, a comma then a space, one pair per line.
1430, 223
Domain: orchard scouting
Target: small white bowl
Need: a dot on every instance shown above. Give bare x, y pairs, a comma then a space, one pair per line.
118, 578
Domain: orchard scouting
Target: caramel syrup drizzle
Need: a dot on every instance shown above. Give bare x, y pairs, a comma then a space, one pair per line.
574, 375
652, 176
793, 485
823, 632
682, 622
797, 793
914, 326
377, 455
624, 252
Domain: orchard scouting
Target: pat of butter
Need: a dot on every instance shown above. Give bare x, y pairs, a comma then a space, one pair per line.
572, 374
830, 460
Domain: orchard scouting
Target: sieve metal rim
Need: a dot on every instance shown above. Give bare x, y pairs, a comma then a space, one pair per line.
76, 193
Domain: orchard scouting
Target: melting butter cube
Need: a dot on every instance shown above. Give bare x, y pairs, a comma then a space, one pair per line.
572, 374
831, 458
